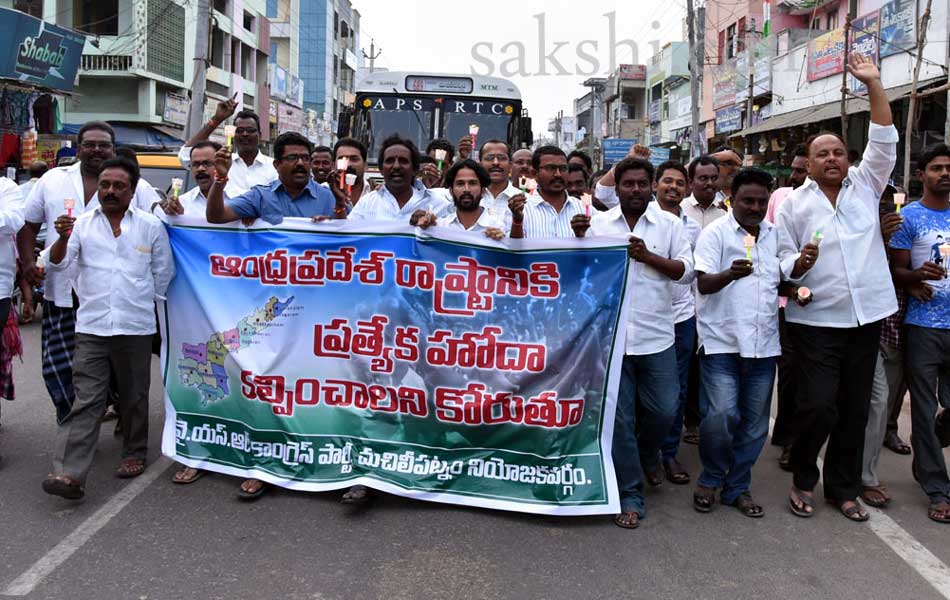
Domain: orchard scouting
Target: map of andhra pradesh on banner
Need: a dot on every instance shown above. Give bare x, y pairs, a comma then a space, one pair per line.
437, 365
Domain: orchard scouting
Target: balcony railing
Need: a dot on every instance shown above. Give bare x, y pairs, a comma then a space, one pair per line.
105, 62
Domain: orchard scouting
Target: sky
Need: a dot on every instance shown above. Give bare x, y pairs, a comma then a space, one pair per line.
489, 36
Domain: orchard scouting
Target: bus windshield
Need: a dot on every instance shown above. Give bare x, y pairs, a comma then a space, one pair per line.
492, 117
388, 115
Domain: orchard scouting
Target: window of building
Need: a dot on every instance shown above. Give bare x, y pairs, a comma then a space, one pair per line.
248, 21
741, 36
731, 40
222, 6
98, 17
166, 40
816, 23
273, 52
217, 48
34, 8
831, 20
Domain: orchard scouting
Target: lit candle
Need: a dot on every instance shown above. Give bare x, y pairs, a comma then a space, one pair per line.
473, 131
817, 237
341, 165
749, 242
176, 186
69, 204
440, 156
803, 293
586, 199
229, 131
899, 201
523, 184
350, 182
40, 263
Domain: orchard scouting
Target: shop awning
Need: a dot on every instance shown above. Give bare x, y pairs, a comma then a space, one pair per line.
823, 112
142, 135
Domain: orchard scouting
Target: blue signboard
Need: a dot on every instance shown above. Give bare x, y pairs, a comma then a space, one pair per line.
38, 53
898, 20
659, 155
728, 119
615, 150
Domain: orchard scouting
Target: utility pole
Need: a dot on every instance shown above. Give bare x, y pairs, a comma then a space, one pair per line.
373, 54
696, 24
844, 78
909, 127
196, 110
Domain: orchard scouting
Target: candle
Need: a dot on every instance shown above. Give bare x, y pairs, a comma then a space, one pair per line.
229, 131
40, 263
473, 131
899, 201
351, 179
176, 186
817, 237
749, 242
341, 165
586, 199
803, 293
69, 204
440, 156
523, 184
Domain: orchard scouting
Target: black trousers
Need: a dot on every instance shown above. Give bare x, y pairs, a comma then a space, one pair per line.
835, 374
783, 432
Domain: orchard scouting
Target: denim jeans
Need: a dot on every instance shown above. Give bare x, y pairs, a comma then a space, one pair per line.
685, 345
734, 401
646, 405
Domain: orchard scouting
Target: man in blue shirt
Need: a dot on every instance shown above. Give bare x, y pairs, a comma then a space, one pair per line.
294, 194
927, 334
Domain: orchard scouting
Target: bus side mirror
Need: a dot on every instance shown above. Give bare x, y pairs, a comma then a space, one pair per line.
527, 135
343, 123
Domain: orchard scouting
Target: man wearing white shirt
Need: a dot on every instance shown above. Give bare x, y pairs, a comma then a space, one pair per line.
467, 181
495, 156
738, 276
194, 202
401, 194
123, 262
649, 386
550, 211
37, 169
11, 220
249, 166
47, 202
837, 334
669, 187
702, 205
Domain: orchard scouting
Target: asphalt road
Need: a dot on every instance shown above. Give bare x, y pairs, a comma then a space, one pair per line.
149, 539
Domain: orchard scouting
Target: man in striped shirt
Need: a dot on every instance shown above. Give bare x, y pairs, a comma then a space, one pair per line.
549, 211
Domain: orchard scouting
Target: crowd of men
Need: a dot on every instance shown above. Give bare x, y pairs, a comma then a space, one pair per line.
826, 282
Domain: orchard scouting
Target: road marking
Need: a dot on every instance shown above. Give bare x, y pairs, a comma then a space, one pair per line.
932, 569
27, 582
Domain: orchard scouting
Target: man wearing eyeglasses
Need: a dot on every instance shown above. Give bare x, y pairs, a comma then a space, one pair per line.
249, 166
195, 201
294, 194
550, 211
79, 183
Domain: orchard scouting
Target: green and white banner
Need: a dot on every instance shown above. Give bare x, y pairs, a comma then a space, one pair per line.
436, 364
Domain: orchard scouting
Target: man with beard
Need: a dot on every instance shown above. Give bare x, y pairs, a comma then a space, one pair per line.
837, 334
402, 194
578, 182
467, 181
738, 276
79, 183
550, 211
126, 262
195, 201
249, 166
321, 163
927, 324
521, 166
649, 387
787, 384
669, 189
354, 151
701, 205
729, 164
605, 191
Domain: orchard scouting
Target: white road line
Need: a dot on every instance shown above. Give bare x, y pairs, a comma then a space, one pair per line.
932, 569
27, 582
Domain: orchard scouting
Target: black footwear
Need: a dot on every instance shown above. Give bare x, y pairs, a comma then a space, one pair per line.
691, 436
785, 460
675, 473
894, 443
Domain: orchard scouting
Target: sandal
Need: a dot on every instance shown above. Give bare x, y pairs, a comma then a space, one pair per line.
747, 506
675, 472
691, 436
64, 487
654, 476
876, 496
704, 498
130, 467
894, 443
627, 520
358, 494
851, 509
186, 475
801, 503
939, 511
251, 495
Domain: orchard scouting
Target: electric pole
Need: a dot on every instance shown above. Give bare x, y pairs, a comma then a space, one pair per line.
844, 79
696, 23
373, 54
912, 108
196, 110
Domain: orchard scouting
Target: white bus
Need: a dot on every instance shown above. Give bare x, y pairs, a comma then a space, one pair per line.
428, 106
